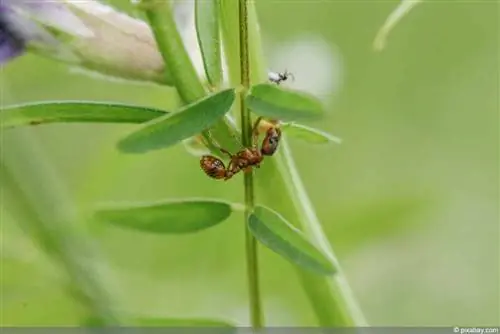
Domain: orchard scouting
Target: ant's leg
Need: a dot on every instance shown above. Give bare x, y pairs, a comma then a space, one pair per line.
229, 154
255, 131
238, 141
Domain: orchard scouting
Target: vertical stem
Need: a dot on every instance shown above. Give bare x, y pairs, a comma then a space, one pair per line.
246, 134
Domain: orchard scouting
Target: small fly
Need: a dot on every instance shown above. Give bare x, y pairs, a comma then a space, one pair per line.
279, 77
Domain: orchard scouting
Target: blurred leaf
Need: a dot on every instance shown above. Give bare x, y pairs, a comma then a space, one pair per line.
272, 101
272, 230
195, 147
309, 134
75, 111
195, 322
187, 122
207, 30
404, 8
166, 217
167, 322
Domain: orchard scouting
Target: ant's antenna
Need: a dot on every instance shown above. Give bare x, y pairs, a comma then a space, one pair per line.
255, 131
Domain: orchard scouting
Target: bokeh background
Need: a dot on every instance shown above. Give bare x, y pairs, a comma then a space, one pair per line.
409, 201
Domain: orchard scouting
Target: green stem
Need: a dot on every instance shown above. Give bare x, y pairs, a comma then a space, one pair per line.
169, 41
183, 73
246, 138
330, 297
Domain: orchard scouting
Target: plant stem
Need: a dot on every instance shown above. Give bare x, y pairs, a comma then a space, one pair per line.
330, 297
190, 89
246, 138
170, 43
183, 74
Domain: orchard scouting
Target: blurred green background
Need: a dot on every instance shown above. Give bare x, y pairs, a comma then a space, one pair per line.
409, 201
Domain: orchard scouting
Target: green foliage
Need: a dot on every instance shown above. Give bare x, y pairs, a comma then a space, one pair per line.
75, 111
195, 147
308, 134
275, 102
275, 232
386, 97
207, 29
166, 217
177, 322
93, 322
173, 128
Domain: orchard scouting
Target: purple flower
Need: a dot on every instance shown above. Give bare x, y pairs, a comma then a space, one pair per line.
11, 43
24, 23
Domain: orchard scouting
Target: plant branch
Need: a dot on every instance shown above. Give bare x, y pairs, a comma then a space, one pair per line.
330, 297
183, 74
246, 138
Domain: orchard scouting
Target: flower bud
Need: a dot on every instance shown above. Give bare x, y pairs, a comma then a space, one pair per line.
87, 34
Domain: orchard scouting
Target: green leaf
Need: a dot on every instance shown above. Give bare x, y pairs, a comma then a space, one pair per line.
173, 128
397, 15
75, 111
207, 30
195, 147
166, 217
272, 230
173, 322
308, 134
272, 101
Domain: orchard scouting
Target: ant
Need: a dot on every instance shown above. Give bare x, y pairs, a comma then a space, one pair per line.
278, 78
246, 158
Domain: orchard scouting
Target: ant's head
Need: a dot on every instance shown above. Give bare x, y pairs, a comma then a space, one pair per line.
271, 141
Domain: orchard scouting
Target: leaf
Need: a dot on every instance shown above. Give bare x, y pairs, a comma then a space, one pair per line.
166, 217
273, 231
195, 147
175, 127
207, 30
75, 111
271, 101
309, 134
403, 9
173, 322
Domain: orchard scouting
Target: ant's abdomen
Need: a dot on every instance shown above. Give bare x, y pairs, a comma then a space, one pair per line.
213, 167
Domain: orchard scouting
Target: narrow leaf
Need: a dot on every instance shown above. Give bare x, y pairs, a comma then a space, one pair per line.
166, 217
173, 322
271, 101
403, 9
75, 111
207, 30
308, 134
273, 231
173, 128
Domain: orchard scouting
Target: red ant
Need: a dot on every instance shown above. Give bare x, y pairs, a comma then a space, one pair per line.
244, 159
